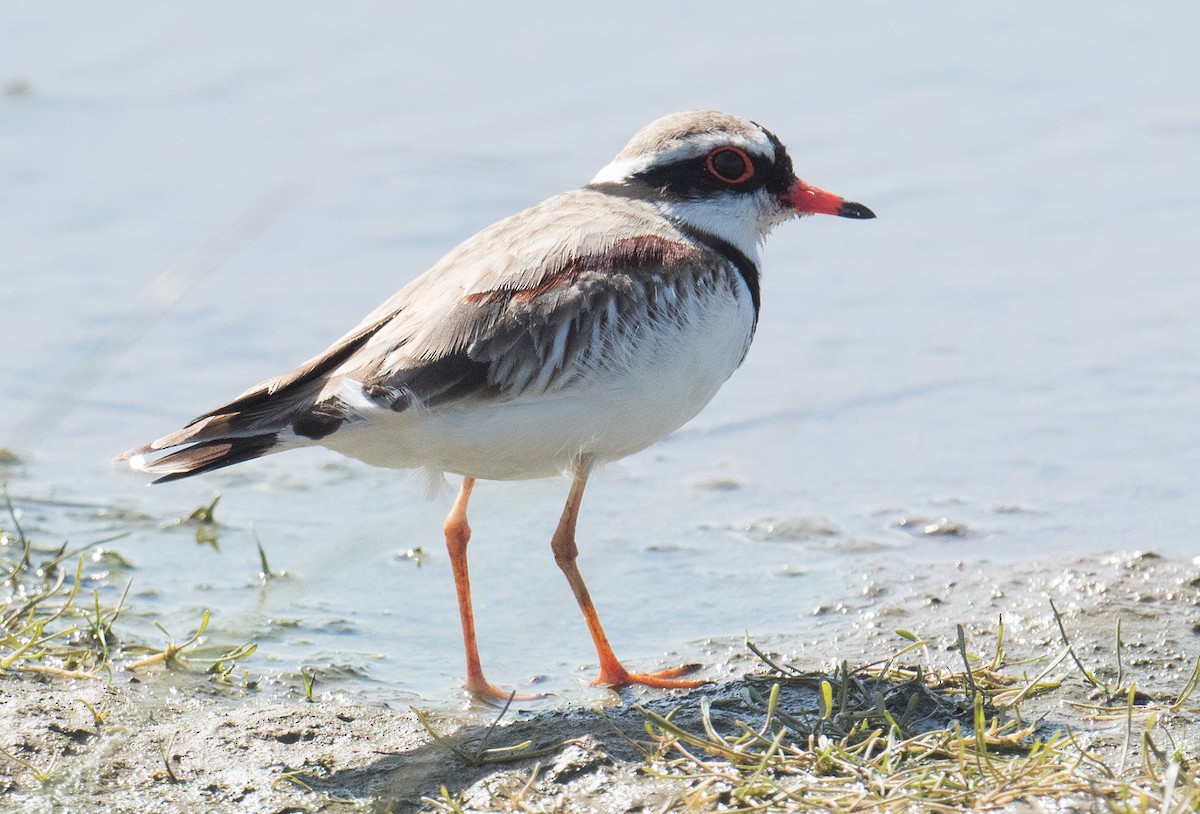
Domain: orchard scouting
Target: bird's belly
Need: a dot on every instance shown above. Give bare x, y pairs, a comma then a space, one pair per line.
606, 415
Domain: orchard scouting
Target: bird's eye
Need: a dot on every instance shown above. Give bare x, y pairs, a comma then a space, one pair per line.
731, 165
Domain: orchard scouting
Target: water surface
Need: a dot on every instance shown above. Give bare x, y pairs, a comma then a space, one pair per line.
197, 198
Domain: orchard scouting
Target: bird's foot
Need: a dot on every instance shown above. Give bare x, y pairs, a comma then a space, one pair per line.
616, 676
483, 692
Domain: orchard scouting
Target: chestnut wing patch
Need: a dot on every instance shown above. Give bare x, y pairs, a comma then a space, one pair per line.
627, 256
540, 332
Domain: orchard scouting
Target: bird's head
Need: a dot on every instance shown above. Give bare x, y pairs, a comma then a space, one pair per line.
721, 174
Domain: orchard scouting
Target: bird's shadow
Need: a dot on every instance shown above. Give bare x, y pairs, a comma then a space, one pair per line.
565, 744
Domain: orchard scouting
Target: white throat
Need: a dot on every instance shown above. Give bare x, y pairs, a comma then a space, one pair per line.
738, 219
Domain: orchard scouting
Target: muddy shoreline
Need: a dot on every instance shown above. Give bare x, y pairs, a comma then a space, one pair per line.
172, 741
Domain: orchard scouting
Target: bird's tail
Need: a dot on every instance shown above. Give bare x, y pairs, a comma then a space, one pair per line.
296, 409
256, 423
203, 456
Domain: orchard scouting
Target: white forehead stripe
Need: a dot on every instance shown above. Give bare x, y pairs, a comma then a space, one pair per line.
618, 171
691, 147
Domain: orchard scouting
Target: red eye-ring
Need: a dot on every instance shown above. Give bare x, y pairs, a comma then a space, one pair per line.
731, 165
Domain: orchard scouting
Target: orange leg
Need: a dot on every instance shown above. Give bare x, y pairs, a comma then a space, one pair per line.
612, 672
458, 534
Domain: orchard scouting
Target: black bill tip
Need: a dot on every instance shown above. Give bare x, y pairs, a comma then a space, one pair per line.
850, 209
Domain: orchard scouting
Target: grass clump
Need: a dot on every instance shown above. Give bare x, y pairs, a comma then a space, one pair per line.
48, 624
51, 624
887, 737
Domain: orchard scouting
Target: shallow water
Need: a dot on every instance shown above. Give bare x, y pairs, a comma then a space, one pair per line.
197, 198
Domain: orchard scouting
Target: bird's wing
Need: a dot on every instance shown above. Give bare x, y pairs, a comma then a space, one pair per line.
529, 304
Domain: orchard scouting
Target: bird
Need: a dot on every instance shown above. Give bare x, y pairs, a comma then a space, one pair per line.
572, 334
